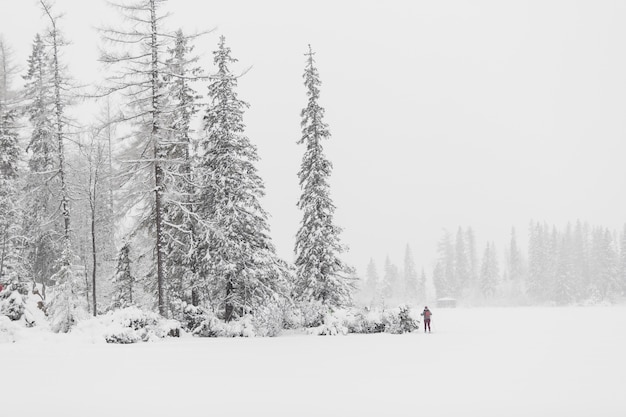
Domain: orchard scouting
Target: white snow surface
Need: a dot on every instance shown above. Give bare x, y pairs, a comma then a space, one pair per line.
477, 362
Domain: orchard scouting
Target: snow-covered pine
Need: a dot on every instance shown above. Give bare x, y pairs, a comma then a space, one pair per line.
68, 305
41, 185
124, 280
370, 289
489, 274
565, 285
237, 257
443, 273
604, 266
321, 273
421, 287
180, 223
138, 55
462, 271
515, 261
472, 256
391, 278
10, 214
535, 286
410, 277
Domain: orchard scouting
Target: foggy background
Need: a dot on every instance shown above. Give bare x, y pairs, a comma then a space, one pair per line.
443, 113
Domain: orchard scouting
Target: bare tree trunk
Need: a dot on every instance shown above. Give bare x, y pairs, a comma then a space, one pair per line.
158, 171
4, 250
93, 252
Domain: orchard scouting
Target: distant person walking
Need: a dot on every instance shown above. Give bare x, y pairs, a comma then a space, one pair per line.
426, 313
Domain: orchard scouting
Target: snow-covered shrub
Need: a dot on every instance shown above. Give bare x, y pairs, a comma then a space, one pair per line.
313, 313
12, 304
13, 300
267, 321
365, 321
334, 324
398, 320
130, 325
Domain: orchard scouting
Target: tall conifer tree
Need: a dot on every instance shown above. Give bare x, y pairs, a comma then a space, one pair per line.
321, 273
244, 274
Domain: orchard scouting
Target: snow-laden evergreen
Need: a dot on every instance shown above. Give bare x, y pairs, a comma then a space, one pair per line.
41, 227
180, 223
10, 212
321, 273
489, 273
443, 274
410, 287
124, 280
238, 260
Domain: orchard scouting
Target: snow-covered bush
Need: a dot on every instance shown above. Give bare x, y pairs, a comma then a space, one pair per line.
12, 300
333, 325
12, 305
398, 320
267, 321
310, 313
129, 325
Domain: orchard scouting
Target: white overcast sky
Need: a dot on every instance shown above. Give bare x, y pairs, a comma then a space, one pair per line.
486, 113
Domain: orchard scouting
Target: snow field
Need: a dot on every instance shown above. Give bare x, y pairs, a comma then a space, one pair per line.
477, 362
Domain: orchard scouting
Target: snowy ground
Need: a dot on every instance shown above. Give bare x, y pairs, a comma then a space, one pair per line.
477, 362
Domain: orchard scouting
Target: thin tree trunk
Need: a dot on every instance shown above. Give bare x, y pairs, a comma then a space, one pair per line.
4, 250
65, 205
94, 258
158, 171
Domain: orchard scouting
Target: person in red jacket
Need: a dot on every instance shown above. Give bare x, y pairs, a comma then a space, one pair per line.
426, 313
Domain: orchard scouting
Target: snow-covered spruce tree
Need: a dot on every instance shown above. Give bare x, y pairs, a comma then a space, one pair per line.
443, 277
238, 259
605, 282
472, 256
9, 187
321, 273
489, 271
516, 263
410, 276
536, 285
421, 287
390, 281
581, 259
124, 280
138, 55
439, 280
180, 224
564, 285
370, 288
68, 304
41, 227
461, 263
